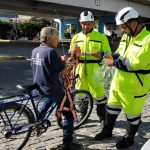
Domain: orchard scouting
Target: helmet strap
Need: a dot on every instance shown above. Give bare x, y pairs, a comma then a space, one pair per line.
132, 32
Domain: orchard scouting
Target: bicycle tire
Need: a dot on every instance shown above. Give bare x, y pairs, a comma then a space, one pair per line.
15, 142
76, 100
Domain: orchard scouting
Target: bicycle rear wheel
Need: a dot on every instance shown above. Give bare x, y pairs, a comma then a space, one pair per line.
80, 98
14, 133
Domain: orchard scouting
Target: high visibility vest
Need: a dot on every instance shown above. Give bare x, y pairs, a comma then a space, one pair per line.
92, 42
136, 55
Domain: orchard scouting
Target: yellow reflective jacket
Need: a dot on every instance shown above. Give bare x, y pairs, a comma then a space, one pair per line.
134, 54
91, 76
92, 42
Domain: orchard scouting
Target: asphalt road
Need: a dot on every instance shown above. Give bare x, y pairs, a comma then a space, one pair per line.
15, 72
18, 71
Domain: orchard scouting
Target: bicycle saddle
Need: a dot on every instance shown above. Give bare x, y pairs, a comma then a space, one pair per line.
27, 88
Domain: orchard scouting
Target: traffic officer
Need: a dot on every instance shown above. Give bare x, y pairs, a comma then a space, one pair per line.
131, 81
91, 44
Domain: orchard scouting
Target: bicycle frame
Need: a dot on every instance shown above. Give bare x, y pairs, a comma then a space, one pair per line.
29, 97
18, 118
25, 99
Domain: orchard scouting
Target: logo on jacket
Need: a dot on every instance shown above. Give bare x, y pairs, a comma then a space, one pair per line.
37, 60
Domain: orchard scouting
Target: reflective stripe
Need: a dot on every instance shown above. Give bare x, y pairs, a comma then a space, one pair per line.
115, 110
140, 96
133, 116
123, 41
126, 62
96, 41
135, 120
128, 65
78, 41
139, 79
102, 100
137, 45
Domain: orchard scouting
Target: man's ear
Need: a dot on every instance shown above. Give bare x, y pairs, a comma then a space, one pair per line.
134, 24
48, 38
45, 39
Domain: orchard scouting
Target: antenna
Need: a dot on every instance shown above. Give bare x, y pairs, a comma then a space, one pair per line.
62, 43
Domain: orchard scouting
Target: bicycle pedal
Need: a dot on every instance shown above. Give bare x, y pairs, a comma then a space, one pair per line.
39, 133
42, 127
48, 123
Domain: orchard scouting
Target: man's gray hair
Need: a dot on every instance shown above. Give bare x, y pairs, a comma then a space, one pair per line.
47, 32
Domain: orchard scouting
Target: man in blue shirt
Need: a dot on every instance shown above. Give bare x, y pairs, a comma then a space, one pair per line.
46, 66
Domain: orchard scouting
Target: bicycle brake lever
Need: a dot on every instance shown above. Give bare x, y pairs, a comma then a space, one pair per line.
75, 77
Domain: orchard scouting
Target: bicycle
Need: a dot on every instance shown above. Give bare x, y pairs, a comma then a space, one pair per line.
18, 121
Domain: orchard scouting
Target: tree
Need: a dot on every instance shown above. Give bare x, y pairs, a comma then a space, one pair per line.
31, 28
5, 28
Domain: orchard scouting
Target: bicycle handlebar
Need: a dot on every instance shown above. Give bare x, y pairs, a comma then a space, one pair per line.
75, 77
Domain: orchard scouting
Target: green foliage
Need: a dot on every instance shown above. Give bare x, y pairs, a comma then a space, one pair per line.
25, 29
73, 31
67, 35
31, 28
5, 28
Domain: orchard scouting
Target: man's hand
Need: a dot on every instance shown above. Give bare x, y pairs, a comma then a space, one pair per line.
64, 58
108, 60
75, 53
96, 54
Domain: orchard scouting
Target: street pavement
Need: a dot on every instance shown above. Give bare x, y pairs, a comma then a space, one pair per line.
19, 71
85, 135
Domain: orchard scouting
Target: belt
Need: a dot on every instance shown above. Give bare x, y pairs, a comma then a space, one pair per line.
89, 61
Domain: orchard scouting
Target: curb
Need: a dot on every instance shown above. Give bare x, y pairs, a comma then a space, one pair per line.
18, 41
30, 41
10, 58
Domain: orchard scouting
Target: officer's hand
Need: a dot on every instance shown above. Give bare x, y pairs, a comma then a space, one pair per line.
108, 60
107, 56
72, 56
77, 51
96, 54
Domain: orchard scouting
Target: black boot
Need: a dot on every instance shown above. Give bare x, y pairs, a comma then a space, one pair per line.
66, 147
128, 139
108, 127
101, 112
73, 146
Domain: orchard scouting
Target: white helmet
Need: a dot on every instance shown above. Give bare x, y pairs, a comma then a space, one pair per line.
86, 16
126, 14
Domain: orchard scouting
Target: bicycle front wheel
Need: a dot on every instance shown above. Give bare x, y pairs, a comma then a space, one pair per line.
14, 129
83, 103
